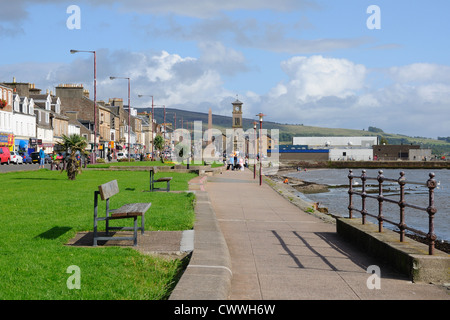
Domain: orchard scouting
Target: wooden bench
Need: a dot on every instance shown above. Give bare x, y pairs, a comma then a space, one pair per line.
132, 210
163, 179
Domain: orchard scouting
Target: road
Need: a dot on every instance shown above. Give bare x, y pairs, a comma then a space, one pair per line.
21, 167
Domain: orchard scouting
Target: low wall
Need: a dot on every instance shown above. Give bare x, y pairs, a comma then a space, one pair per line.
409, 257
368, 164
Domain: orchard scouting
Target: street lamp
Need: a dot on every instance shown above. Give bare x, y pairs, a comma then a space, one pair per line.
153, 117
129, 113
164, 123
174, 123
94, 155
254, 150
260, 115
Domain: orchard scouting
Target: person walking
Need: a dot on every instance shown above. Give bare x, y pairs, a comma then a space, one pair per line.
232, 162
41, 158
241, 164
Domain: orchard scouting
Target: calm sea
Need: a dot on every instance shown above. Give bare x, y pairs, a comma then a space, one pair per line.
336, 200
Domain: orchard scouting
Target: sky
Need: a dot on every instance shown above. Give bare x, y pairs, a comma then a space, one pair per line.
328, 63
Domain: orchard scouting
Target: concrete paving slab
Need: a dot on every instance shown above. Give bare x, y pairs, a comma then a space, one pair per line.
278, 251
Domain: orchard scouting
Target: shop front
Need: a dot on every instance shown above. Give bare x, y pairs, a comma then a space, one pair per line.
7, 140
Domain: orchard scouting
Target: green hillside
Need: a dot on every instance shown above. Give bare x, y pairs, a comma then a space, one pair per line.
288, 131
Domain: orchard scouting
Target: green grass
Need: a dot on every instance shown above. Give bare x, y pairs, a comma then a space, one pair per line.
42, 210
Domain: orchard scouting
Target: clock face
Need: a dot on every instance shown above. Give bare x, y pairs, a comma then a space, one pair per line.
236, 108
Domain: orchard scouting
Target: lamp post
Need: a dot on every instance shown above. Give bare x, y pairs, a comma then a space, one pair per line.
153, 117
164, 123
260, 115
94, 154
129, 113
254, 150
174, 123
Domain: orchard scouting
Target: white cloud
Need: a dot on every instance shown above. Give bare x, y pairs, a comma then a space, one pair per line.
420, 73
312, 78
198, 8
337, 93
208, 8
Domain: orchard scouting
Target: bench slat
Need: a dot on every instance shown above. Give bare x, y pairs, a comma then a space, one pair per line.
163, 179
107, 190
130, 210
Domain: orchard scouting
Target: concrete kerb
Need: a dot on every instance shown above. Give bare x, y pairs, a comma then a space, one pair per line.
208, 274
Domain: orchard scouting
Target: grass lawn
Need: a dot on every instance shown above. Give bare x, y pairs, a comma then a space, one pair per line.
156, 163
42, 210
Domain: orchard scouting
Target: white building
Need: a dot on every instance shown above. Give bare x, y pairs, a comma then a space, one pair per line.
6, 115
342, 148
23, 122
350, 154
336, 142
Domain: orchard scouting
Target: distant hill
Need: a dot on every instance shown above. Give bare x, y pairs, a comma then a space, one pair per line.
288, 131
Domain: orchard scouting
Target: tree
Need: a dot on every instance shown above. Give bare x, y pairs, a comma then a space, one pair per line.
159, 145
73, 145
383, 140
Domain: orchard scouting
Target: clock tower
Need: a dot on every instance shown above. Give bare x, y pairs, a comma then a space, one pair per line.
237, 114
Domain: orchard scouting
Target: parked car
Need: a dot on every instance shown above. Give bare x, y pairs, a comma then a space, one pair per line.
48, 158
35, 157
16, 158
121, 155
26, 158
5, 155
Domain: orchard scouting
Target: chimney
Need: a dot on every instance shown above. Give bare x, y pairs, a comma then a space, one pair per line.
69, 91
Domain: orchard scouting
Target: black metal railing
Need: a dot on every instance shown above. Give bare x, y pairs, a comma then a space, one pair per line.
431, 209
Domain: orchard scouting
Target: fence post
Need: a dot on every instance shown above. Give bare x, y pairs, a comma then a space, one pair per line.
402, 205
363, 196
380, 199
431, 210
350, 193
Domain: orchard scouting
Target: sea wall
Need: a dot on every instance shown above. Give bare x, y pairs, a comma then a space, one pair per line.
369, 164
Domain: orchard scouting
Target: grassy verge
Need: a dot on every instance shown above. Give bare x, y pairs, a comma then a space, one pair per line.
42, 210
131, 164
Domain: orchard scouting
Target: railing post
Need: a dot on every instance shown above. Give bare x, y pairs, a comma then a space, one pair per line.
363, 196
380, 199
431, 184
402, 205
350, 193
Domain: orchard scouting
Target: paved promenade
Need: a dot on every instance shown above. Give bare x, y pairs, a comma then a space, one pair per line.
280, 252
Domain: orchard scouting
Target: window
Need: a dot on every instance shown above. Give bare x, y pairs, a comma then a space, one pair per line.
47, 117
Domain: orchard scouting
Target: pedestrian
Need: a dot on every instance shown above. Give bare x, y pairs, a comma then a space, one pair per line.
41, 158
54, 161
241, 163
232, 162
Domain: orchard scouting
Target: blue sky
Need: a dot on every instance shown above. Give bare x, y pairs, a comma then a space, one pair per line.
297, 61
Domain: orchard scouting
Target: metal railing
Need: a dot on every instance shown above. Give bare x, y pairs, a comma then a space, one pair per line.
431, 209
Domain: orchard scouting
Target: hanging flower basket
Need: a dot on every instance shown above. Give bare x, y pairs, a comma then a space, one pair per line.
3, 103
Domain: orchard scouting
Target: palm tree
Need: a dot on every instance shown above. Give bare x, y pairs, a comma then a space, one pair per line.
72, 145
159, 145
